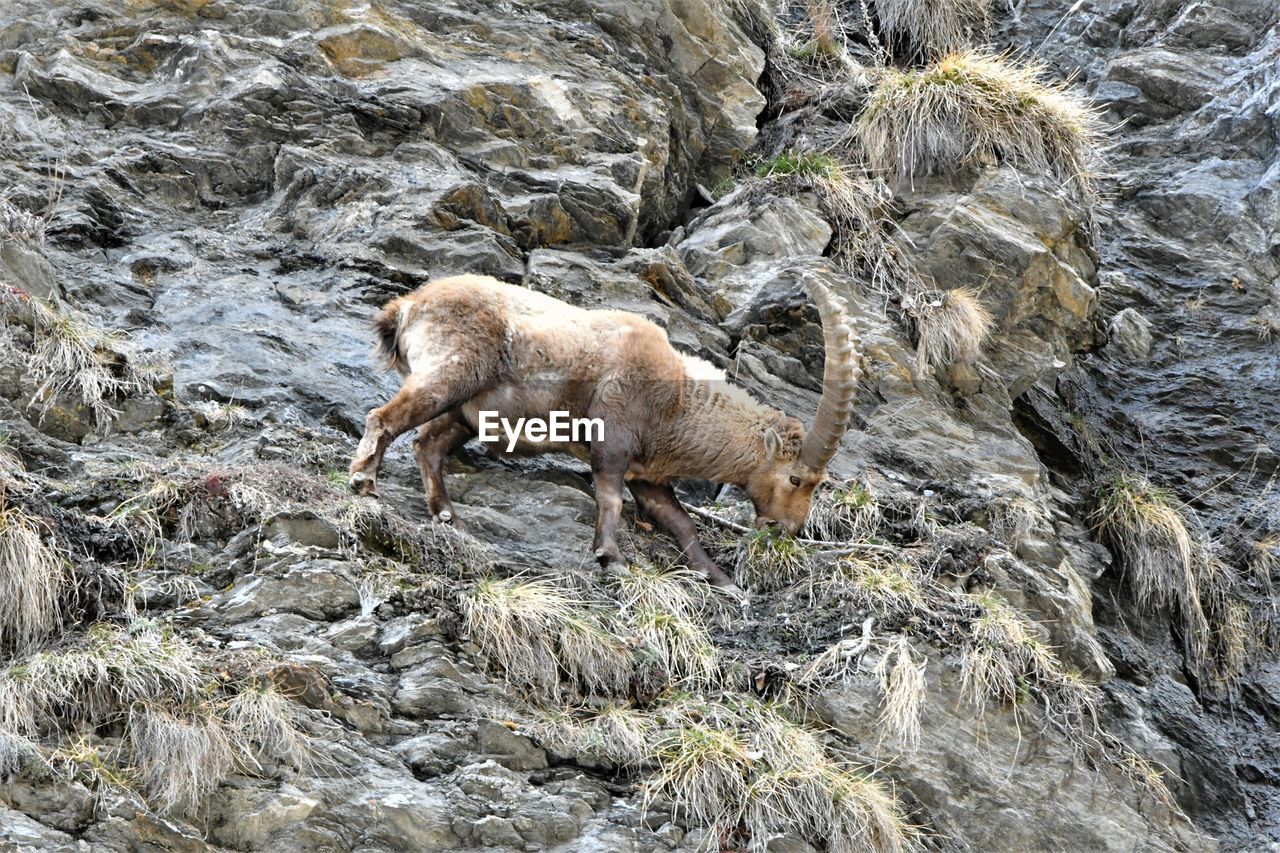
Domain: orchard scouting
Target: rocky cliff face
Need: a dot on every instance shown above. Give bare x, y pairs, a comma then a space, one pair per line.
233, 187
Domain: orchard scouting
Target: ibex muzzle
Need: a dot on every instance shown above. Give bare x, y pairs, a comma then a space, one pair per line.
471, 344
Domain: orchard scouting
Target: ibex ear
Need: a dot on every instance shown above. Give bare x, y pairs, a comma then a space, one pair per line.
772, 441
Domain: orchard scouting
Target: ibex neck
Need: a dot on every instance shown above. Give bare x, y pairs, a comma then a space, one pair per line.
721, 431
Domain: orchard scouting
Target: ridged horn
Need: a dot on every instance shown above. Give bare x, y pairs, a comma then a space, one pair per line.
839, 376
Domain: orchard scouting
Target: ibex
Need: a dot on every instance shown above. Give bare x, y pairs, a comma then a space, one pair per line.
470, 344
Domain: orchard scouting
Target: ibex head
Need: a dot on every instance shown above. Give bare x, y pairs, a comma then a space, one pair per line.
794, 463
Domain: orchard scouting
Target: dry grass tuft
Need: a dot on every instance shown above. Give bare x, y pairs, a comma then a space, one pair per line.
618, 734
216, 416
858, 208
950, 325
1004, 653
187, 723
72, 357
107, 672
1161, 559
742, 764
902, 683
703, 771
972, 108
769, 561
535, 629
31, 579
882, 586
19, 224
644, 586
932, 27
267, 725
846, 513
681, 646
178, 759
20, 756
1014, 517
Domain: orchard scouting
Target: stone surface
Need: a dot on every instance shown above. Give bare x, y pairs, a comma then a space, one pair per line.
244, 182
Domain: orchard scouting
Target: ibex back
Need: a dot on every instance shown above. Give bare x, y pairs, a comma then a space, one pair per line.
470, 344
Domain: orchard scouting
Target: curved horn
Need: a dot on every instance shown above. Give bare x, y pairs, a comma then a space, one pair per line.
839, 377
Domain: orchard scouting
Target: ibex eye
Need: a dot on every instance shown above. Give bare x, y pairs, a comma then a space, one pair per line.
795, 481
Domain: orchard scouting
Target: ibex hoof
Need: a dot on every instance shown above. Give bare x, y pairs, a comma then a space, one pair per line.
445, 516
610, 558
363, 484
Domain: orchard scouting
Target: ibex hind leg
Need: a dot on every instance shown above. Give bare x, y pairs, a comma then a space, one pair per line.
421, 398
436, 440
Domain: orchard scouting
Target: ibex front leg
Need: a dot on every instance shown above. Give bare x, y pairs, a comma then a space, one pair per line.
608, 469
663, 507
420, 399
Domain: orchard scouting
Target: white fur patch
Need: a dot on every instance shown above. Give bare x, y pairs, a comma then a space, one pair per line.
696, 368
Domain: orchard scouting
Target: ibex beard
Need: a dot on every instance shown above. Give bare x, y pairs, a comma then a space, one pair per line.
472, 344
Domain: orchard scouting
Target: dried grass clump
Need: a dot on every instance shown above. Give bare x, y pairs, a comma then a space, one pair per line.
644, 586
1014, 517
972, 108
768, 560
619, 734
269, 727
216, 416
535, 629
703, 771
932, 27
107, 672
194, 500
902, 683
71, 357
950, 325
178, 759
1163, 561
187, 723
819, 41
739, 764
681, 647
846, 513
10, 461
1005, 659
19, 224
885, 587
32, 579
20, 756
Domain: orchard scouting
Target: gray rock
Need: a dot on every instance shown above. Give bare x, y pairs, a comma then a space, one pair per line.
513, 751
317, 589
256, 818
1130, 332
